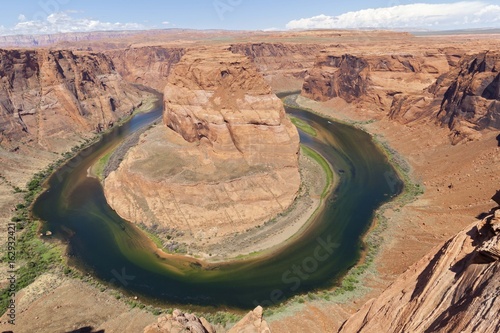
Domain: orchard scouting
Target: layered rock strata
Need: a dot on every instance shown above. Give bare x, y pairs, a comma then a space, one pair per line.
284, 65
47, 98
149, 65
446, 86
371, 79
453, 289
225, 160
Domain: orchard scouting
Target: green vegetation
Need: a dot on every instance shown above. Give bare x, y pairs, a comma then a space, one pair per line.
101, 165
154, 238
221, 318
303, 126
34, 256
324, 164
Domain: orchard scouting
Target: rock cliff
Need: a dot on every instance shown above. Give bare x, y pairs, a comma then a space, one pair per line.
284, 65
471, 99
454, 289
445, 86
48, 98
149, 65
225, 160
371, 79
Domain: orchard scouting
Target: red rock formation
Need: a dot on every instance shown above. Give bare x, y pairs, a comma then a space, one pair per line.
453, 289
49, 96
179, 321
253, 322
284, 65
464, 94
371, 79
149, 66
227, 162
221, 100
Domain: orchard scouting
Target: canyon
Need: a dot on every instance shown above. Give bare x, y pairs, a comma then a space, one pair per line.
435, 100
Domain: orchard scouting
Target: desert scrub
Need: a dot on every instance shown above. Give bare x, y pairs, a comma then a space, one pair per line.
221, 318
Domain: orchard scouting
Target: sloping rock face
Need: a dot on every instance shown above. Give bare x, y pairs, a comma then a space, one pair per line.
454, 289
48, 97
225, 160
473, 96
284, 65
149, 66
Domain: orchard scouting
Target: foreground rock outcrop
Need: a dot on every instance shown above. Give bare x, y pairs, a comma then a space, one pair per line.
454, 289
253, 322
149, 65
225, 160
178, 321
48, 98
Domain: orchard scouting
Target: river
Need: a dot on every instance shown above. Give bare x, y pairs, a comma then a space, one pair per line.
117, 252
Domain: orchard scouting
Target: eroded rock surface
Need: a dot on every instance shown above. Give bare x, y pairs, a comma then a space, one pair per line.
454, 289
444, 86
178, 322
369, 78
225, 160
284, 65
49, 97
149, 65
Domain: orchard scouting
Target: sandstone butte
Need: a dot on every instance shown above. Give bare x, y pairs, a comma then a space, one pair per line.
224, 160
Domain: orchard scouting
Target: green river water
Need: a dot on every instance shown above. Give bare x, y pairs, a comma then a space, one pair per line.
118, 253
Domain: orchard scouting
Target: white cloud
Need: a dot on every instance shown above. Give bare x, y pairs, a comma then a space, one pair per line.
61, 22
165, 23
463, 14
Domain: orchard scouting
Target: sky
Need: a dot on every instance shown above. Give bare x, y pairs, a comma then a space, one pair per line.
52, 16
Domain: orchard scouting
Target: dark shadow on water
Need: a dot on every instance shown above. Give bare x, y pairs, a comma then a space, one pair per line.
86, 329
